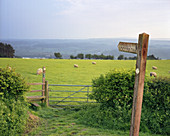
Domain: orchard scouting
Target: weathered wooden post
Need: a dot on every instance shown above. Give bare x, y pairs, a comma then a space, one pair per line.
43, 81
141, 50
46, 94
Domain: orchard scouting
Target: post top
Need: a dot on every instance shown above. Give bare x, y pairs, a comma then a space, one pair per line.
144, 33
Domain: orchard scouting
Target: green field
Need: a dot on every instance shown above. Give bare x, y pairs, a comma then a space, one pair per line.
61, 71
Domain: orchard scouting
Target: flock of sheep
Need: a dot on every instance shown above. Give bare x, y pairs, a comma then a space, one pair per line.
40, 70
76, 66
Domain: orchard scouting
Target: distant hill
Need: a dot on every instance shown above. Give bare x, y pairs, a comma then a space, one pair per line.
67, 47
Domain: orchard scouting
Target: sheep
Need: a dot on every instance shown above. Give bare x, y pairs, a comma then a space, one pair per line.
153, 74
153, 67
39, 71
93, 62
9, 68
76, 66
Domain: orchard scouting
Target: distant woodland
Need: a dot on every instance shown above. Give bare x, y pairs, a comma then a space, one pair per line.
58, 55
6, 50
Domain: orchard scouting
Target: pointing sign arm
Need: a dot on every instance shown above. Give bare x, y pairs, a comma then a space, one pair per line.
127, 47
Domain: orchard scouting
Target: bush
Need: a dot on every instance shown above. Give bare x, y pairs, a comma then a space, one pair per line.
13, 116
13, 107
155, 110
115, 93
114, 89
12, 85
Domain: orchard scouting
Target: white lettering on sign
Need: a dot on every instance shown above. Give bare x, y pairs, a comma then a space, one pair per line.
127, 47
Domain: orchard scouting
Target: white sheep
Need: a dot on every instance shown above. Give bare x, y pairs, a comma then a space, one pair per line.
153, 74
39, 71
153, 67
76, 66
93, 62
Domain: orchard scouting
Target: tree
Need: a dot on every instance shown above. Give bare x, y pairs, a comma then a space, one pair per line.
73, 57
58, 55
88, 56
120, 57
80, 56
152, 57
6, 50
133, 58
110, 57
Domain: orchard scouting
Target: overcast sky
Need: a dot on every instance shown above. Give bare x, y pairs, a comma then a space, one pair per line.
55, 19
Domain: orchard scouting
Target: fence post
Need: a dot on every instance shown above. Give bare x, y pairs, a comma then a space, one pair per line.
43, 81
46, 94
87, 94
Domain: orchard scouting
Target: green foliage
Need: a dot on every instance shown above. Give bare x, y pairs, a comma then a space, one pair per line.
13, 116
115, 91
97, 115
6, 50
80, 56
152, 57
115, 88
12, 85
13, 107
58, 55
120, 57
156, 112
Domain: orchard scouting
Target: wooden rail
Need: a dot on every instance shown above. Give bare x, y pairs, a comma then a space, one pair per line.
44, 98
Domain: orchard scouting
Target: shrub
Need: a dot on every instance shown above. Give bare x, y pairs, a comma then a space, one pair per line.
13, 116
155, 110
115, 91
13, 107
12, 85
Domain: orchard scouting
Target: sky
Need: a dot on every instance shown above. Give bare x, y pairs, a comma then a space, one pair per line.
79, 19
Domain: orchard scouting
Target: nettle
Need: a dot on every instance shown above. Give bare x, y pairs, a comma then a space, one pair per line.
12, 85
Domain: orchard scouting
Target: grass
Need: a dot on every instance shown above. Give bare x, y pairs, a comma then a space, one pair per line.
63, 123
61, 71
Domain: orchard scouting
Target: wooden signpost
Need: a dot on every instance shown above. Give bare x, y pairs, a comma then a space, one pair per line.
140, 49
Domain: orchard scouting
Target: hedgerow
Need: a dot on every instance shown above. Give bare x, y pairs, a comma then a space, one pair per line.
12, 85
13, 107
114, 92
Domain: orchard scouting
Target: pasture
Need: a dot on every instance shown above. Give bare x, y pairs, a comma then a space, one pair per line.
62, 71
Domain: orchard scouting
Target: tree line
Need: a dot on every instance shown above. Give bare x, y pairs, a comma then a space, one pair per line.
150, 57
86, 56
102, 56
6, 50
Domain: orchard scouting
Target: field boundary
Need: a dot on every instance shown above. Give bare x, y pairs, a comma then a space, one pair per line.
44, 98
59, 100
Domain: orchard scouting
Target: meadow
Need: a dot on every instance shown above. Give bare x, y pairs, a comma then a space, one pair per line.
62, 71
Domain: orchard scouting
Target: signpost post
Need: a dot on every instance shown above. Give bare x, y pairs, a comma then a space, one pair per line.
140, 49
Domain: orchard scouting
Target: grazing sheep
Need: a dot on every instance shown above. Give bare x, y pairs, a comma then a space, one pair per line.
9, 68
153, 67
76, 66
39, 71
93, 62
153, 74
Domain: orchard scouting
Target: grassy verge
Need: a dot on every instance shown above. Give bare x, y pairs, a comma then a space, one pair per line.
63, 123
